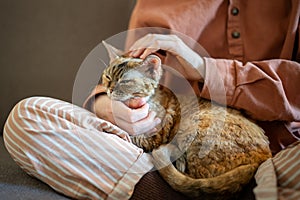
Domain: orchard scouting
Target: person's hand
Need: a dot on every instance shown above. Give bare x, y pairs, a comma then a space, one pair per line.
132, 116
191, 64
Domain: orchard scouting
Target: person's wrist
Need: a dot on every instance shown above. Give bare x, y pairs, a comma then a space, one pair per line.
102, 107
200, 67
196, 69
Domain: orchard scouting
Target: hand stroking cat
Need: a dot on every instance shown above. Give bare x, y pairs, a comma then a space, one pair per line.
216, 150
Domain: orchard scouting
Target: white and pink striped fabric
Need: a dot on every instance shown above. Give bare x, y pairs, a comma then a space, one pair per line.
73, 151
84, 157
279, 177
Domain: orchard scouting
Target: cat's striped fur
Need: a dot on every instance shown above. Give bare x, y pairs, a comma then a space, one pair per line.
216, 150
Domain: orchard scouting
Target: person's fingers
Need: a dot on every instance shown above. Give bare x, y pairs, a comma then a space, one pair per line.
143, 52
147, 52
121, 111
146, 125
152, 43
142, 42
136, 52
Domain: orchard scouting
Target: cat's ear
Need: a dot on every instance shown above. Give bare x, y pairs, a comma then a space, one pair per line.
113, 52
153, 67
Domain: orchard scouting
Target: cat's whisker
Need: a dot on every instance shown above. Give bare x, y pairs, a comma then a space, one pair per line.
217, 149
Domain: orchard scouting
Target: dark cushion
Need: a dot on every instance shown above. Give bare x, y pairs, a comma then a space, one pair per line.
16, 184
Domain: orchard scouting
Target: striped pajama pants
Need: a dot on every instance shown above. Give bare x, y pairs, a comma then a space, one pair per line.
72, 150
279, 177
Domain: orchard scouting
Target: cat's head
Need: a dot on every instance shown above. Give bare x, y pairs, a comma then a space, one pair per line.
126, 77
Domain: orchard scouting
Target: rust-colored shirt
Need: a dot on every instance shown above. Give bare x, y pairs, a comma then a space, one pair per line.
253, 46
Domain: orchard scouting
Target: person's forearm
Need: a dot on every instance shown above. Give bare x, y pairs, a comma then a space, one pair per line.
89, 103
266, 90
102, 108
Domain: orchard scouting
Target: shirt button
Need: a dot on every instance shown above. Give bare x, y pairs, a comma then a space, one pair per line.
234, 11
235, 34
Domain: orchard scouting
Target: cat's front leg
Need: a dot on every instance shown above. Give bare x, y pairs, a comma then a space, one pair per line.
165, 155
181, 163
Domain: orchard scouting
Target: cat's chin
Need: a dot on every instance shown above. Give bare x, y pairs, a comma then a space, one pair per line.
136, 102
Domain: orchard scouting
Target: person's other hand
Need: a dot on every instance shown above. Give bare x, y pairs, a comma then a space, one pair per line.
132, 116
191, 64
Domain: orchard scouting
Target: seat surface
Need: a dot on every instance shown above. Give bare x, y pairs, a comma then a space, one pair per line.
15, 184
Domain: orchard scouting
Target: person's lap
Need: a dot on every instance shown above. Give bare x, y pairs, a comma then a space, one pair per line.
82, 156
72, 150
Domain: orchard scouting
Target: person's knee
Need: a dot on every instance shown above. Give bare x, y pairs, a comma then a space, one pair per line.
17, 112
31, 105
33, 102
26, 109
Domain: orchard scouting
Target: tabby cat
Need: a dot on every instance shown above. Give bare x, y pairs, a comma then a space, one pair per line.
216, 150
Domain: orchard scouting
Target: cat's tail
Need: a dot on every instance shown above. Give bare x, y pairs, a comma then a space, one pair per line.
224, 185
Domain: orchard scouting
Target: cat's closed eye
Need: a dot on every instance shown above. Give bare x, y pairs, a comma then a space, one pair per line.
108, 77
127, 81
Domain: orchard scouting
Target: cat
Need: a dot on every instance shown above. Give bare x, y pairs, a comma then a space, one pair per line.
202, 149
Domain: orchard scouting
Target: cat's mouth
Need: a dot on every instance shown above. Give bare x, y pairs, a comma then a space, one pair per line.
136, 102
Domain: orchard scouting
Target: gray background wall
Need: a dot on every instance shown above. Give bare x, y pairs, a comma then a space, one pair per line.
44, 42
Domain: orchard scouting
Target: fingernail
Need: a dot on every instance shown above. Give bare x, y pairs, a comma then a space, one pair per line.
143, 56
134, 53
157, 121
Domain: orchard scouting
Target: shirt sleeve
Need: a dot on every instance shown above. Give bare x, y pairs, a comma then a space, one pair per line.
90, 100
266, 90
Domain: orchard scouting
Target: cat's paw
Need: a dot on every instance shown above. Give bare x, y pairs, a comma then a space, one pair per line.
161, 157
181, 163
165, 155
